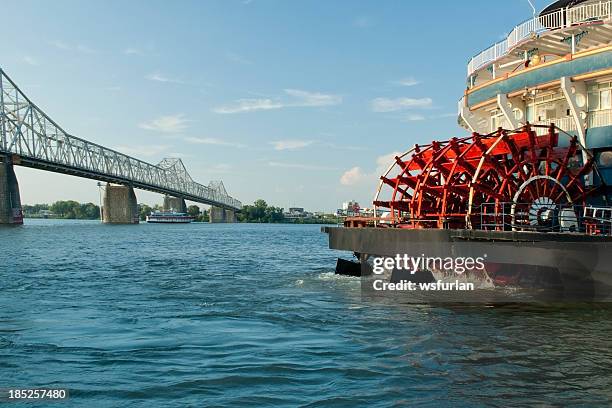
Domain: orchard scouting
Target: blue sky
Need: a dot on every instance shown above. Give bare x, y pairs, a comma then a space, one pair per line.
300, 103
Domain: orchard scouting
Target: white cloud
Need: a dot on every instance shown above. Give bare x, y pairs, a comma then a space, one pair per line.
31, 61
383, 162
158, 77
298, 166
142, 150
393, 105
248, 105
408, 81
133, 51
71, 47
297, 98
446, 115
60, 44
412, 117
415, 117
305, 98
290, 144
146, 51
213, 141
178, 155
85, 49
352, 176
356, 176
167, 124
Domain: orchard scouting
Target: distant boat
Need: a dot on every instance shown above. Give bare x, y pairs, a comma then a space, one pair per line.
169, 217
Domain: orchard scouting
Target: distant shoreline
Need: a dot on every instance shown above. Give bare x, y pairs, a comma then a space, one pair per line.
257, 213
286, 222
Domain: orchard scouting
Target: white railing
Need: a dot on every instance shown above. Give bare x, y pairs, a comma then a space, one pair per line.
589, 11
558, 19
566, 124
600, 118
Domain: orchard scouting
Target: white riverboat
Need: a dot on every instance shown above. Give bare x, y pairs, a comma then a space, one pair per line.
169, 217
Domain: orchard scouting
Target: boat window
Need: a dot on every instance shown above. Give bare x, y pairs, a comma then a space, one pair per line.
605, 101
530, 113
594, 100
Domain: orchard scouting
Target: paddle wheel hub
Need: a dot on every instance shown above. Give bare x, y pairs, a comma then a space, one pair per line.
505, 180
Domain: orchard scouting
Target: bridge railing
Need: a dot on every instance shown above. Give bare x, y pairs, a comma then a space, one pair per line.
27, 131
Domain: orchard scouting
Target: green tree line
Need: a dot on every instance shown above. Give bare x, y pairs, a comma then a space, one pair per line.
65, 209
89, 211
260, 211
200, 216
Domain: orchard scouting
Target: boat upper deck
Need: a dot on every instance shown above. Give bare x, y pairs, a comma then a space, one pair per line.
550, 36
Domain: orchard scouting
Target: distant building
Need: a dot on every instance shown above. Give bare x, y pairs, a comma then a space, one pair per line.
299, 213
296, 210
367, 212
349, 209
295, 213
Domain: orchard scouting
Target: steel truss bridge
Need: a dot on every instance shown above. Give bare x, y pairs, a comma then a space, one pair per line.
33, 139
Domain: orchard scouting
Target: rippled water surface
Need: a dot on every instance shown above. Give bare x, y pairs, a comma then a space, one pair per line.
252, 315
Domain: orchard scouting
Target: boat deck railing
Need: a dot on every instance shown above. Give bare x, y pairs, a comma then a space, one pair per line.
545, 217
540, 216
563, 18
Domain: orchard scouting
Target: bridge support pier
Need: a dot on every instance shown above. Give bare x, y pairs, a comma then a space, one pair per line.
174, 203
221, 215
10, 201
216, 215
119, 206
230, 216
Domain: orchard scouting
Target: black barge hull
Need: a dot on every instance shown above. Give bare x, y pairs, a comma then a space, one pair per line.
529, 266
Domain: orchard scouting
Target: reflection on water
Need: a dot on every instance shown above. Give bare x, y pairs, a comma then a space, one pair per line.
231, 315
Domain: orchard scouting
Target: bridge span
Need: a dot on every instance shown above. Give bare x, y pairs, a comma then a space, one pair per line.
29, 137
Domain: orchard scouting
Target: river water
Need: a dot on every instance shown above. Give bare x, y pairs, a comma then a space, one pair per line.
252, 315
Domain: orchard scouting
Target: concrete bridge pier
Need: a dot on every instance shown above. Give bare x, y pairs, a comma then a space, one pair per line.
216, 215
230, 216
174, 203
10, 201
119, 205
221, 215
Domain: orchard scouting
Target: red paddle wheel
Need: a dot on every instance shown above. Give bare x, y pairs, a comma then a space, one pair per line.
504, 180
